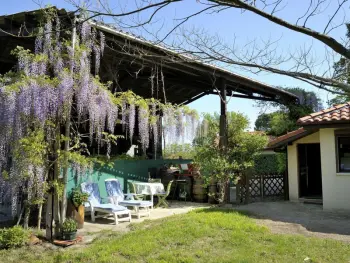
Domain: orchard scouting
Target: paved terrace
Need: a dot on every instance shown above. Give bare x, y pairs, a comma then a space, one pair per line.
176, 207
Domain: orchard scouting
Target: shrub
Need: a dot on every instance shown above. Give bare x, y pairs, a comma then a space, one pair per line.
270, 163
69, 225
13, 237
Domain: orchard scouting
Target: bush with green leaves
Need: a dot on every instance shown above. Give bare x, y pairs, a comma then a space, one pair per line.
270, 163
224, 164
15, 236
175, 150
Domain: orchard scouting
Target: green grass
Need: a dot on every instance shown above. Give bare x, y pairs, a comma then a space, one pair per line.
208, 235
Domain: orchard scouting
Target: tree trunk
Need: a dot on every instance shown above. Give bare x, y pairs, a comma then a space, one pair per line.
49, 217
40, 208
26, 216
56, 173
65, 171
20, 216
66, 144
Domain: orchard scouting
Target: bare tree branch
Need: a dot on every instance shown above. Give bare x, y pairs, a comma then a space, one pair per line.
335, 13
329, 41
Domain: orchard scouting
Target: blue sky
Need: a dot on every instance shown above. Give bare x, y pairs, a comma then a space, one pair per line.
245, 27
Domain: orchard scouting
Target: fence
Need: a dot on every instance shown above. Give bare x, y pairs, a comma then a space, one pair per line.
262, 187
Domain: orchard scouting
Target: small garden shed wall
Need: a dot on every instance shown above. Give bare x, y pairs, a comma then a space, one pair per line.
336, 185
293, 172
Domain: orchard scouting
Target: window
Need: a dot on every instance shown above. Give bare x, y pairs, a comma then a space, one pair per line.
343, 154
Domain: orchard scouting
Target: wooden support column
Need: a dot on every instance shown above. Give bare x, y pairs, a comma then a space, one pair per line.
223, 115
223, 129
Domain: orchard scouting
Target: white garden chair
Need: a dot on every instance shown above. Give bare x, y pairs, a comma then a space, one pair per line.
117, 196
94, 204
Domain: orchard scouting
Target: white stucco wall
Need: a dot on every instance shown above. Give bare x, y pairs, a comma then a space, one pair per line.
335, 186
293, 171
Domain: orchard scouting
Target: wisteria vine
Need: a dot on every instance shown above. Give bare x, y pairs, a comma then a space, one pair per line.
55, 84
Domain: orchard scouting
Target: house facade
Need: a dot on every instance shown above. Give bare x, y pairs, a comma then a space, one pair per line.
319, 158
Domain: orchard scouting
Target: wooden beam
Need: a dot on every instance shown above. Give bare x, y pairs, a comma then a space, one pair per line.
247, 97
195, 98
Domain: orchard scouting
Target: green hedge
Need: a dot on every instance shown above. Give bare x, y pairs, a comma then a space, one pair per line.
270, 163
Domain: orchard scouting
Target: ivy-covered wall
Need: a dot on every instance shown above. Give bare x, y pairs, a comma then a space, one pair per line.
270, 163
123, 170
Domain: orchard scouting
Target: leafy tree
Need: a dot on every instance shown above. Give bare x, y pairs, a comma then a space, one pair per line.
342, 74
263, 122
284, 119
174, 150
223, 165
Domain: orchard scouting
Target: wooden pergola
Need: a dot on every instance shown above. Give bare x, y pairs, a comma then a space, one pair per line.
129, 61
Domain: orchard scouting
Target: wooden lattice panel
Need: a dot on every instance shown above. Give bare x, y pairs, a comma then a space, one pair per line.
261, 187
273, 186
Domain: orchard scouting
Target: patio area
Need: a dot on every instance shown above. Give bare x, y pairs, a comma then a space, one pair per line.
107, 224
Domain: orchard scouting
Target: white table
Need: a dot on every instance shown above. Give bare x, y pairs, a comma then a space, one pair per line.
149, 189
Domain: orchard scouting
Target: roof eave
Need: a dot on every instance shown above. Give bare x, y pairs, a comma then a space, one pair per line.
205, 66
292, 138
334, 124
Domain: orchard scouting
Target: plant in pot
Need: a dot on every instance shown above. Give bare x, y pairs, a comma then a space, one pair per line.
78, 199
69, 229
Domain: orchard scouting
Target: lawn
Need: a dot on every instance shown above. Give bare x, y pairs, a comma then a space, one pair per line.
208, 235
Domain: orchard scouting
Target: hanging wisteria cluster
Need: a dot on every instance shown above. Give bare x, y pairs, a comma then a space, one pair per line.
179, 124
40, 95
55, 85
153, 118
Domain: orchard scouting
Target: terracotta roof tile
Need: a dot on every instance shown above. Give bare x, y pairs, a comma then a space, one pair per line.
287, 137
335, 114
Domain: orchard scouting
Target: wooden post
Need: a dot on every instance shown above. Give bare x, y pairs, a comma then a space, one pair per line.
160, 138
223, 113
247, 188
56, 174
262, 187
223, 129
239, 192
49, 208
66, 144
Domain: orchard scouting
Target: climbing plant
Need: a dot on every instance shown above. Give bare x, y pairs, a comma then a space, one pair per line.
47, 103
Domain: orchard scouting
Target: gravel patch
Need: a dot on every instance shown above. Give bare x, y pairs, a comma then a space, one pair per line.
298, 218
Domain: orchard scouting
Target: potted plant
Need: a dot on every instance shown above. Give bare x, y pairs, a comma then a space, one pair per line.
69, 229
78, 199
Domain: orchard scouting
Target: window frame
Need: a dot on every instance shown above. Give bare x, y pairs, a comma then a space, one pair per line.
343, 133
